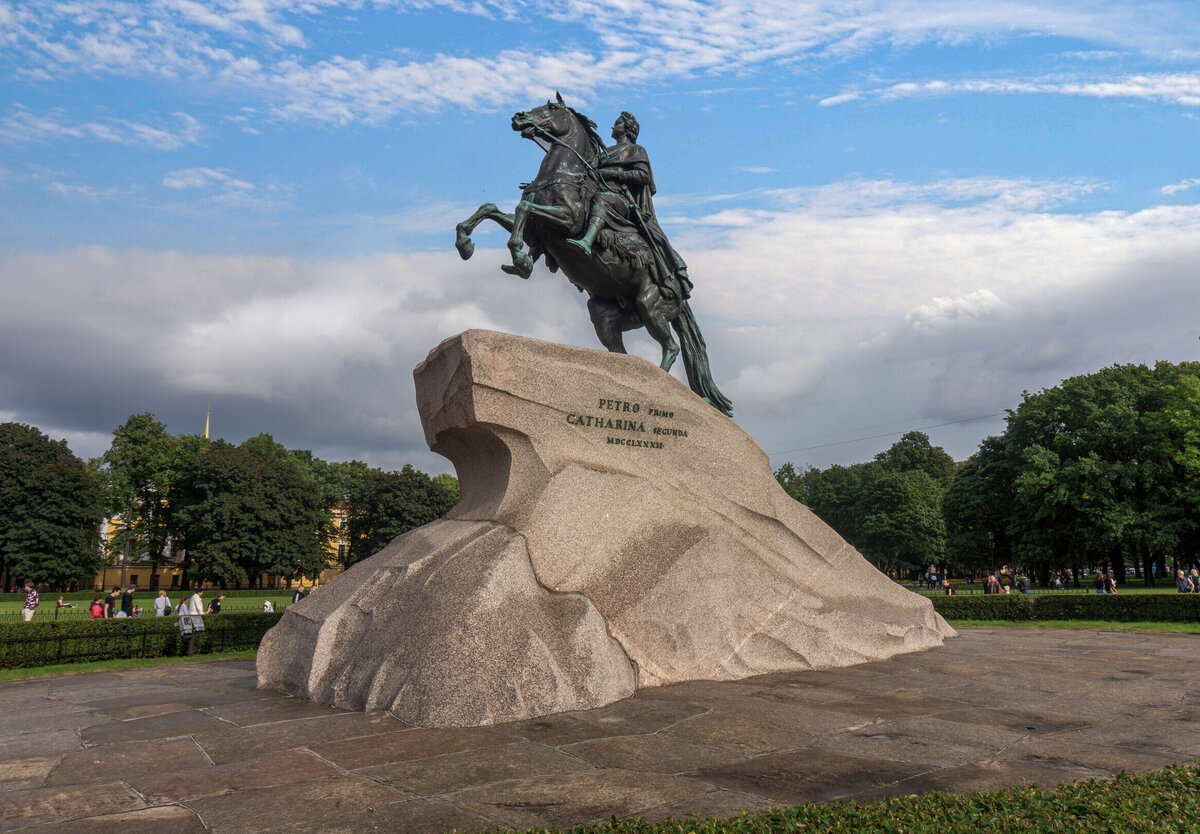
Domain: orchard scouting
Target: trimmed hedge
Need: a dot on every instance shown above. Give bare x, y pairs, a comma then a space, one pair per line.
83, 641
1166, 800
1140, 608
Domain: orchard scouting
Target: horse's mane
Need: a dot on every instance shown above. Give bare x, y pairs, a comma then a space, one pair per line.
589, 129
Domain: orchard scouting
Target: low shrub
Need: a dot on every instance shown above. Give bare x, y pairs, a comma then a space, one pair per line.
1162, 800
1143, 608
83, 641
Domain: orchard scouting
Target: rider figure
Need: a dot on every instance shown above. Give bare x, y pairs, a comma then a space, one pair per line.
626, 169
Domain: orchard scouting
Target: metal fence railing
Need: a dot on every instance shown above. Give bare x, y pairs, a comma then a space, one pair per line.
83, 612
49, 643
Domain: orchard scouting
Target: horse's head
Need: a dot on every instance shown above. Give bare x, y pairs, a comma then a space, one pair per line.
555, 120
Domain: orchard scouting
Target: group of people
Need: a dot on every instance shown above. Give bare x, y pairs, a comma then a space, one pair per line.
118, 604
1187, 583
1105, 582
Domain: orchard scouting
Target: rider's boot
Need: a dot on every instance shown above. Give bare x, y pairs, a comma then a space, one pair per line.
588, 239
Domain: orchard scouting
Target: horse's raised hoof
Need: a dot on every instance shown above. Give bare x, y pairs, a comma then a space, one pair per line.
522, 265
464, 245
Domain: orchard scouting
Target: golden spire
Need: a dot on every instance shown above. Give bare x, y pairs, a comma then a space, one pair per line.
207, 414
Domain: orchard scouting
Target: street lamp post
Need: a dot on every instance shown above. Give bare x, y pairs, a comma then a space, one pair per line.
992, 550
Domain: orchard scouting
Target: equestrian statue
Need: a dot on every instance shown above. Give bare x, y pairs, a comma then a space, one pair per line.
589, 212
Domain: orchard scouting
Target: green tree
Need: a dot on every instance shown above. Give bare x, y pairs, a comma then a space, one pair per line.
914, 453
449, 485
901, 525
51, 504
977, 506
1093, 471
387, 504
243, 511
792, 482
141, 467
835, 495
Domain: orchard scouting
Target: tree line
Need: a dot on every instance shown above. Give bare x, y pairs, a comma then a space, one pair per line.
1102, 470
225, 514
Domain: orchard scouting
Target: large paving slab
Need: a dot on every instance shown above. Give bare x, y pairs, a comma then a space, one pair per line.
200, 749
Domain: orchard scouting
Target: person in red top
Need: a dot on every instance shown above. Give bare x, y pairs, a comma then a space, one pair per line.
98, 607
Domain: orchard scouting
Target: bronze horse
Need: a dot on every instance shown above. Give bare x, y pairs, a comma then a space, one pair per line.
553, 210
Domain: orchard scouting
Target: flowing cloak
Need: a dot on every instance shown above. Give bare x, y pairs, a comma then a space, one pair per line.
628, 164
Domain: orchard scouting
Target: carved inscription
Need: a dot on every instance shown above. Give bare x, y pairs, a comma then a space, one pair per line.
643, 426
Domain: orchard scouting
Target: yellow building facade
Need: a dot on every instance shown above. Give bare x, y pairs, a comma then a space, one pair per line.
122, 569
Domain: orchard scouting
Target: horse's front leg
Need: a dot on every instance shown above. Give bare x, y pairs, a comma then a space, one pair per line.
523, 264
488, 211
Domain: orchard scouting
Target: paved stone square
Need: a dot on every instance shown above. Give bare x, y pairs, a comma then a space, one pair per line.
198, 748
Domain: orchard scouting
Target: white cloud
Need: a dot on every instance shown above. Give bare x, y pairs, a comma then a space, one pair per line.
857, 196
262, 46
1181, 88
21, 125
204, 178
940, 311
840, 98
87, 191
1182, 185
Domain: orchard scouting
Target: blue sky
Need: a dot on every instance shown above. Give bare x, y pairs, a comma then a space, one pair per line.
898, 215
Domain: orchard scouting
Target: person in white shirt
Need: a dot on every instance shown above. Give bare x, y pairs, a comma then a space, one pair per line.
195, 604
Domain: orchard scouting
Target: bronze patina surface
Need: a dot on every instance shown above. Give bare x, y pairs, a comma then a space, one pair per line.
589, 212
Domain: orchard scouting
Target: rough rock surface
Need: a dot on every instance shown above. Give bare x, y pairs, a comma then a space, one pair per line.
614, 532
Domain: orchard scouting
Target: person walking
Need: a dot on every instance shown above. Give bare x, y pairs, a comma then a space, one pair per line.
196, 604
127, 601
110, 603
32, 601
1110, 584
162, 604
214, 607
298, 595
97, 607
1101, 582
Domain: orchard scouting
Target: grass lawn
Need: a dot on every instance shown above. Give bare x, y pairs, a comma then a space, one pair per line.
1094, 625
118, 665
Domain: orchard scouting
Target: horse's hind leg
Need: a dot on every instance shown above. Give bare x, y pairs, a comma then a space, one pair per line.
610, 322
488, 211
656, 313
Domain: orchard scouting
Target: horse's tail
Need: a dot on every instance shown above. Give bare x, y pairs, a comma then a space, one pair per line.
695, 361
